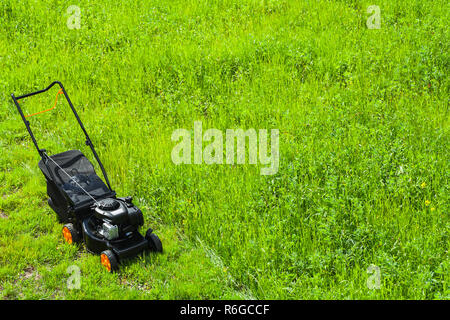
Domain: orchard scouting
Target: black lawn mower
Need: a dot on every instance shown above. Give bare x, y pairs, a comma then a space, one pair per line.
89, 208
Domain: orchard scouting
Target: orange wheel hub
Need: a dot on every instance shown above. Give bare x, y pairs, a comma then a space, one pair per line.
67, 235
105, 261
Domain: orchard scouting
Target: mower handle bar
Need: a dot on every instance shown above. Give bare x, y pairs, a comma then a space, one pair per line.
43, 90
42, 152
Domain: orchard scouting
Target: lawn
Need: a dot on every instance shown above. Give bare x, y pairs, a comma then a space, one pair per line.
363, 120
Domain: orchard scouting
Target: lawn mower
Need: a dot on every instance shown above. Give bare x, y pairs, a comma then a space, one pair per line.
91, 212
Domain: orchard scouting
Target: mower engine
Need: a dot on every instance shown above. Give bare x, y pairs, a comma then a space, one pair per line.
112, 229
117, 217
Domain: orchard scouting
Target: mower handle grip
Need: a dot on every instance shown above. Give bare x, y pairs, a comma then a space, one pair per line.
41, 91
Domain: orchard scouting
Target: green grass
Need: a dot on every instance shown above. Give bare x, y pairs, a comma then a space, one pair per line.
364, 146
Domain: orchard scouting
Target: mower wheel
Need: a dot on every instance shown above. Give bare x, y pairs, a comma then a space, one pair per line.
153, 241
70, 234
109, 260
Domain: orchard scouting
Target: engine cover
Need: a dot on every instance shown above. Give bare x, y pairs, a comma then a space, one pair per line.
119, 212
